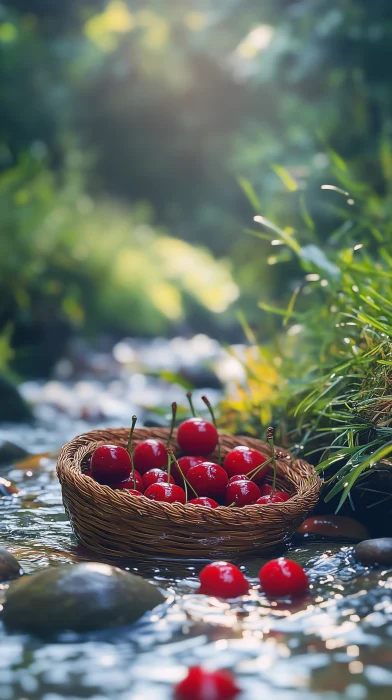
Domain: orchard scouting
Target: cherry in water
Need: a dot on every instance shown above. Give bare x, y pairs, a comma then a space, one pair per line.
276, 497
168, 493
155, 476
281, 577
185, 464
208, 479
242, 460
134, 481
206, 685
223, 580
197, 436
149, 454
242, 493
110, 464
204, 501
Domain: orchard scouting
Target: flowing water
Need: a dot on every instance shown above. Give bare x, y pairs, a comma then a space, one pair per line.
335, 644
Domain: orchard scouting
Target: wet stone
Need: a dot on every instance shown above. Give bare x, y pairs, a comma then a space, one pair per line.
377, 551
335, 526
81, 597
9, 566
10, 452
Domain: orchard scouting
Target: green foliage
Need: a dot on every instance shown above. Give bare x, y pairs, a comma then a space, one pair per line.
333, 347
95, 265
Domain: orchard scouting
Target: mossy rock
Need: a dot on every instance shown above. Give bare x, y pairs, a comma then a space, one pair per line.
81, 597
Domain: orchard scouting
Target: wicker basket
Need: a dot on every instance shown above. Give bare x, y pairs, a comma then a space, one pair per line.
117, 524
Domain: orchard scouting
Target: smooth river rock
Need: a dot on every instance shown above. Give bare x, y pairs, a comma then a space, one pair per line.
9, 566
334, 526
81, 597
378, 551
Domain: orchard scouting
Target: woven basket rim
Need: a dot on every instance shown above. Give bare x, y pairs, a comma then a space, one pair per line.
110, 496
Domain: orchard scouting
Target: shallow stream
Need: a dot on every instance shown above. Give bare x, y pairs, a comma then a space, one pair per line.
335, 644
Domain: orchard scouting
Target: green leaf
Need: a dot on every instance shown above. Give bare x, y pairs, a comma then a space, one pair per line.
289, 240
250, 193
286, 178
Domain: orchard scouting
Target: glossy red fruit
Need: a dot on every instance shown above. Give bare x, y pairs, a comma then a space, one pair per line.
281, 577
90, 474
133, 492
155, 476
265, 489
110, 464
208, 479
223, 580
242, 460
238, 477
131, 483
277, 497
204, 501
149, 454
197, 436
242, 493
185, 464
206, 685
169, 493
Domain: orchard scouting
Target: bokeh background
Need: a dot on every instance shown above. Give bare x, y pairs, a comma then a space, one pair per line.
139, 138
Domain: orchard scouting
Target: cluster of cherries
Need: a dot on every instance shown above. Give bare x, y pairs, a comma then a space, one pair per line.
278, 578
152, 470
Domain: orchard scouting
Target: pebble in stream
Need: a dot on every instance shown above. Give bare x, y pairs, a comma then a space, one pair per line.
377, 551
9, 566
82, 598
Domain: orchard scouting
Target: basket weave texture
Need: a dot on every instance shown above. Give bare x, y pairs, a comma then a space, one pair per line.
116, 524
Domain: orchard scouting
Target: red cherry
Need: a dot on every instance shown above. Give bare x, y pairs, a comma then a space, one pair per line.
223, 580
185, 464
238, 477
242, 460
265, 489
90, 474
110, 464
131, 483
206, 685
133, 492
169, 493
155, 476
208, 479
197, 436
277, 497
204, 501
149, 454
281, 577
242, 493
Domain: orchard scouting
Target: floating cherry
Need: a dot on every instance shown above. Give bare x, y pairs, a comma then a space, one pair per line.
168, 493
208, 479
281, 577
223, 580
204, 501
242, 493
149, 454
206, 685
197, 436
155, 476
110, 464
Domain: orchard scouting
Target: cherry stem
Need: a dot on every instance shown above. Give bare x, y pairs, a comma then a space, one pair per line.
254, 472
189, 397
185, 480
270, 440
169, 461
212, 414
134, 419
173, 420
